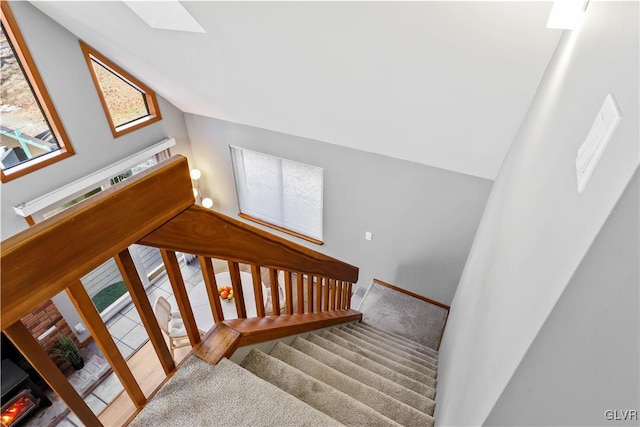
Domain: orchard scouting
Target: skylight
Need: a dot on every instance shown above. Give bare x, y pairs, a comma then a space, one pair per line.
165, 15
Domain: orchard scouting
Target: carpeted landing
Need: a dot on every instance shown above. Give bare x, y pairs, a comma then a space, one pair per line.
353, 375
403, 314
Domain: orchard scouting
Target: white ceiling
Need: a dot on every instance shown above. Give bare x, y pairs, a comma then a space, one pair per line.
445, 84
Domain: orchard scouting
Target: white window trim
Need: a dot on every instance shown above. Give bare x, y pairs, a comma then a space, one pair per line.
89, 182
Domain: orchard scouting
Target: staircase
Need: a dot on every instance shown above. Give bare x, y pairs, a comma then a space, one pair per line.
351, 375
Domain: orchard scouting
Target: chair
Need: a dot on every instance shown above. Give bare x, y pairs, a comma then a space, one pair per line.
268, 309
171, 324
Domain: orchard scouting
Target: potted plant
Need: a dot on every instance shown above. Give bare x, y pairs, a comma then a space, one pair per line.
68, 350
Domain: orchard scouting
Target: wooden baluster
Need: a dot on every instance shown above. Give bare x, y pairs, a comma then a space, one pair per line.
318, 294
288, 291
325, 298
177, 284
275, 293
212, 288
39, 359
257, 290
141, 301
349, 295
238, 294
90, 316
309, 293
332, 294
339, 295
300, 289
345, 296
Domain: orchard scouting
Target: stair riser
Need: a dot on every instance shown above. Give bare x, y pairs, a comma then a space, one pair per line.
401, 350
320, 396
429, 357
377, 357
400, 339
346, 367
392, 371
388, 354
380, 402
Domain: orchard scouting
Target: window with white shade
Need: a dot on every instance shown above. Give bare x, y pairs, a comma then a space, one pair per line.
279, 193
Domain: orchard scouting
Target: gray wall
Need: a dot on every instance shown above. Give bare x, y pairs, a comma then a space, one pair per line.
423, 219
61, 64
585, 359
537, 228
64, 71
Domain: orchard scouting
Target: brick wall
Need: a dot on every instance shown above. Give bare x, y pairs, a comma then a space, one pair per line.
41, 320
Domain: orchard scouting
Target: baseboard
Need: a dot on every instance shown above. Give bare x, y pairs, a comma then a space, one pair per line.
411, 294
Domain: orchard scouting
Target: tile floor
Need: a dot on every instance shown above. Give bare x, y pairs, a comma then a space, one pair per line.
129, 334
126, 327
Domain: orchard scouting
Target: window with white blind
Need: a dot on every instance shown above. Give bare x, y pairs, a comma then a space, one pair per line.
279, 193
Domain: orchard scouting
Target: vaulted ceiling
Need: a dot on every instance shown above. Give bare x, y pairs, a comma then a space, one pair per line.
445, 84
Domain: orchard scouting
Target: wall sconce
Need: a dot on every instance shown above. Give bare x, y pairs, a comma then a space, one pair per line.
195, 174
195, 177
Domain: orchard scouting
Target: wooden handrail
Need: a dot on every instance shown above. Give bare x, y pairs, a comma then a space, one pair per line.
214, 235
43, 260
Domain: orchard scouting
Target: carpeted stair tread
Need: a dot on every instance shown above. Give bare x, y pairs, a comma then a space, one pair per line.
365, 376
399, 338
429, 357
380, 402
382, 352
409, 353
367, 341
400, 366
233, 397
410, 379
317, 394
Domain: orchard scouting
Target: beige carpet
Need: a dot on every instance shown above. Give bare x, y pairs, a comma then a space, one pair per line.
225, 395
355, 373
352, 375
403, 315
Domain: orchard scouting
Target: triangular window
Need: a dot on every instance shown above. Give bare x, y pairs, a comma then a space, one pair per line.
128, 103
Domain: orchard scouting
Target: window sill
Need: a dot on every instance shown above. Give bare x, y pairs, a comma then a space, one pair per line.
135, 125
35, 164
282, 229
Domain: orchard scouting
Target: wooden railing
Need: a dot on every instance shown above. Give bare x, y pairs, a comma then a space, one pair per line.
156, 208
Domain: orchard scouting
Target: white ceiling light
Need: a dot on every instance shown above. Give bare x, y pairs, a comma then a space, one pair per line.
165, 15
566, 14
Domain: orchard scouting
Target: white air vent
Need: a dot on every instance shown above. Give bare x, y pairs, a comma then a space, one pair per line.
589, 154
